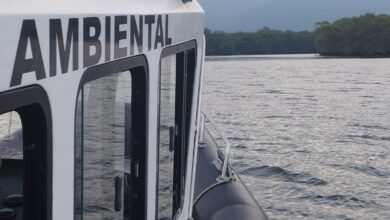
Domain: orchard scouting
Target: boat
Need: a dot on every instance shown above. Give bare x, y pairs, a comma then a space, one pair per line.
100, 115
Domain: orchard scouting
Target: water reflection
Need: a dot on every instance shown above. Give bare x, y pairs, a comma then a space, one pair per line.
316, 133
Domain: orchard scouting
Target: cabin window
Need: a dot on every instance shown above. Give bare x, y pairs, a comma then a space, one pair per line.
176, 90
168, 132
11, 136
25, 154
110, 147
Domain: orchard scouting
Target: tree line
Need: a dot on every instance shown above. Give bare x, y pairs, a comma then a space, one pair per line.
367, 35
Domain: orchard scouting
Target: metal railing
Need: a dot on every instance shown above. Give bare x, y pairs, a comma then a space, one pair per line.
206, 119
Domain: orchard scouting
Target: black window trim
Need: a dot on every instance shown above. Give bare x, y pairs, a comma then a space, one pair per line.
171, 50
109, 68
27, 96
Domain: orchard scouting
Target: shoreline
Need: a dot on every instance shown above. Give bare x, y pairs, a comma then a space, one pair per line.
287, 56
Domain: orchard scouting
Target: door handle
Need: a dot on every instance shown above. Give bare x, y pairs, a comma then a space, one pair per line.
118, 193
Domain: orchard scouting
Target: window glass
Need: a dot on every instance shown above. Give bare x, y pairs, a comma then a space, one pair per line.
168, 131
102, 148
11, 138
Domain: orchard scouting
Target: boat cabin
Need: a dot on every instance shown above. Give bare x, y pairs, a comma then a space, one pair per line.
99, 103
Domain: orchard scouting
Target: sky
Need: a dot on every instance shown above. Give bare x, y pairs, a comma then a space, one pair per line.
297, 15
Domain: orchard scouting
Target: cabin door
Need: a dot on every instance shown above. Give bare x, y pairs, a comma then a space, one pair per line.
175, 105
25, 155
110, 152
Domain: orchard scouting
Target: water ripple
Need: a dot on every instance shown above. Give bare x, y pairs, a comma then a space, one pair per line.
364, 168
369, 126
340, 200
284, 175
369, 137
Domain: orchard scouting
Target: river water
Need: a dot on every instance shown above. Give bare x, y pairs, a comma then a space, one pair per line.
311, 135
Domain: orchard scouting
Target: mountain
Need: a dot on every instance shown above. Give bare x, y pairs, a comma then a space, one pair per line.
251, 15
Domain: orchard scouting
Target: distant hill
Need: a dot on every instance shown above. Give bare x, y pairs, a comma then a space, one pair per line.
296, 15
364, 36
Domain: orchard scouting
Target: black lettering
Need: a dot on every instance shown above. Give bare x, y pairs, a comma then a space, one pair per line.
159, 33
119, 35
149, 20
34, 64
57, 38
168, 40
91, 41
136, 34
107, 47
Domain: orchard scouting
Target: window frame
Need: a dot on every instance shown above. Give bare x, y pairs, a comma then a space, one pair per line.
169, 51
35, 97
106, 69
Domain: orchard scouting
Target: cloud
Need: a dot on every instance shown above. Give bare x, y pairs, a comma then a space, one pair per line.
250, 15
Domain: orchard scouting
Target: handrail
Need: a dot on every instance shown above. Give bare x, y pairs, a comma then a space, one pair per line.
205, 118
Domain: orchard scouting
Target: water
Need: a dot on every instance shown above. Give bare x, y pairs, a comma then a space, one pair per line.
311, 137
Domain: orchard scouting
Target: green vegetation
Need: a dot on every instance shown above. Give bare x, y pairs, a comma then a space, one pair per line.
264, 41
366, 36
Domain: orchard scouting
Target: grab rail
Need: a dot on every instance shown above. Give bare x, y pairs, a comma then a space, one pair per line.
204, 119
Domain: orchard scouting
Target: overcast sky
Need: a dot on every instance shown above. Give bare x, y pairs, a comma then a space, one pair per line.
251, 15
